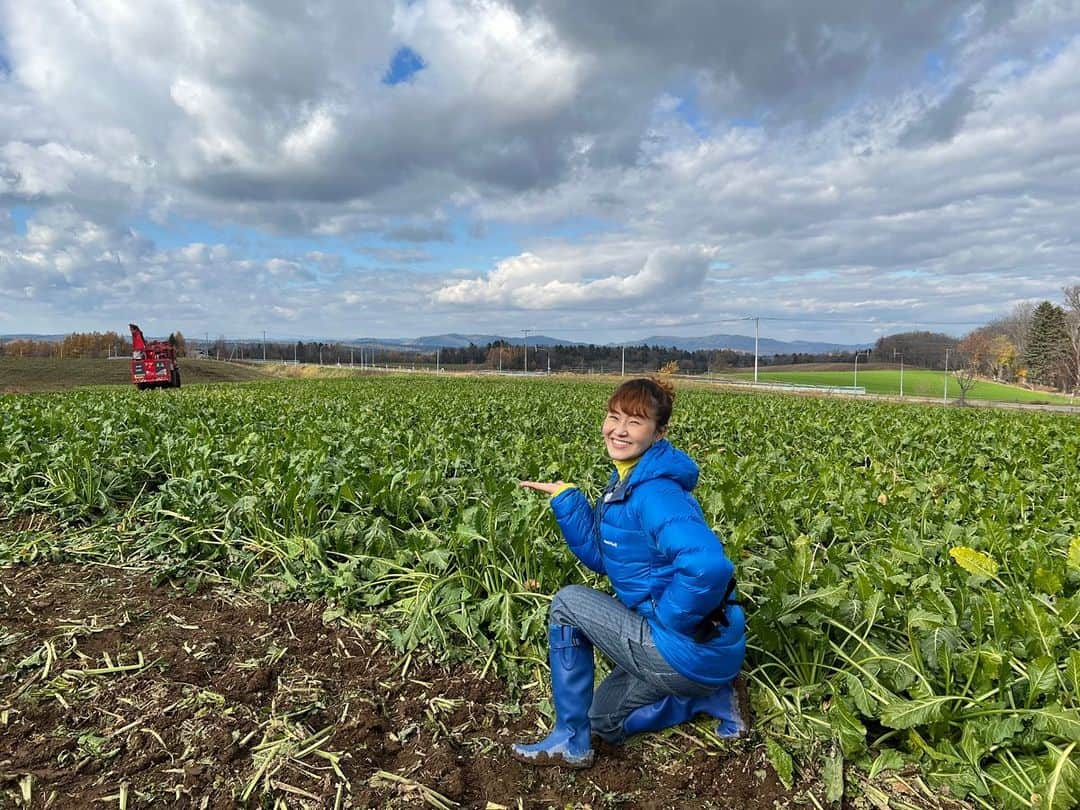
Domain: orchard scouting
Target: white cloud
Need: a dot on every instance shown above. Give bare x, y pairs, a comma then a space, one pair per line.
529, 281
600, 162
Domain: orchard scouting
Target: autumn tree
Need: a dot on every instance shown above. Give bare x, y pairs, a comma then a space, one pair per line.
1003, 358
93, 344
1016, 326
179, 344
976, 350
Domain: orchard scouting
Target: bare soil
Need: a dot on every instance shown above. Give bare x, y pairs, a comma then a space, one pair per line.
30, 375
116, 692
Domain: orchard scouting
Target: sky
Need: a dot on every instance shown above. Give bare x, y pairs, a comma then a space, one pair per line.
596, 171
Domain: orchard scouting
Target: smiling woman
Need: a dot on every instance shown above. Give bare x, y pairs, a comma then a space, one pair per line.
672, 631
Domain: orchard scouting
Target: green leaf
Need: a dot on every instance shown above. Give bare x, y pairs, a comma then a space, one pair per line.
862, 699
832, 775
1074, 553
888, 760
971, 744
1061, 722
847, 728
1047, 581
923, 619
1062, 788
974, 562
782, 762
1042, 677
1072, 674
911, 713
437, 558
332, 614
1041, 628
995, 729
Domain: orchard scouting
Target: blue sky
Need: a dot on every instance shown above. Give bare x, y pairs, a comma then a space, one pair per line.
411, 168
404, 64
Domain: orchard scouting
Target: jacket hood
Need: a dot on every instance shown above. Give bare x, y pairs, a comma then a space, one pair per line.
664, 460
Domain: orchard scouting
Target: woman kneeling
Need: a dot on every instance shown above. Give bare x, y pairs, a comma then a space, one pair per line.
673, 631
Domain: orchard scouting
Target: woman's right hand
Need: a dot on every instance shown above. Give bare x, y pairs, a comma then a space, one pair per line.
546, 487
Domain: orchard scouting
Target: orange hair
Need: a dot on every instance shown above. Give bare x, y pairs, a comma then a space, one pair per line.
649, 397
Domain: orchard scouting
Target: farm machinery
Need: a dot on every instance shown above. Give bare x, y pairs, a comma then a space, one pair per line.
153, 363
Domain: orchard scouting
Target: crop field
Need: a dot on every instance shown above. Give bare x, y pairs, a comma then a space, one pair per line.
912, 575
917, 383
26, 375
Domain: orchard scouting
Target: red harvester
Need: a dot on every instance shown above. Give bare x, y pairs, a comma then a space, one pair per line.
153, 364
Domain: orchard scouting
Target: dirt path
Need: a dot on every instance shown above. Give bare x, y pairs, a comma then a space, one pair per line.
114, 692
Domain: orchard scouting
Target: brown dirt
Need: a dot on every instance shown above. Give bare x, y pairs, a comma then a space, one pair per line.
113, 690
28, 375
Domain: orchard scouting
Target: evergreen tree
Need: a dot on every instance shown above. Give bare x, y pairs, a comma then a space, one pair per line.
1047, 351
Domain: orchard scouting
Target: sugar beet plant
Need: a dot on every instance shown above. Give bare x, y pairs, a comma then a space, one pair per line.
912, 574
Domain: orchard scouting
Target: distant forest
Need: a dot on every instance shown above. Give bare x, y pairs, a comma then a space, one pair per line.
1035, 343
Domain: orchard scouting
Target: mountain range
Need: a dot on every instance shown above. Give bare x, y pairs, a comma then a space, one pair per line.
739, 343
457, 340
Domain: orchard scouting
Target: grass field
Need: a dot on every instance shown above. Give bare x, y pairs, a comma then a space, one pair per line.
917, 383
23, 375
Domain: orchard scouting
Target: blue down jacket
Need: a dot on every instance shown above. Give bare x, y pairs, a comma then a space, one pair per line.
648, 534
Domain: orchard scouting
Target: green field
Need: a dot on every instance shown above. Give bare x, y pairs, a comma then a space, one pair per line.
38, 374
917, 383
911, 575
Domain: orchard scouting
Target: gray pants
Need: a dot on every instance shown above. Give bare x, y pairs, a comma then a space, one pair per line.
641, 675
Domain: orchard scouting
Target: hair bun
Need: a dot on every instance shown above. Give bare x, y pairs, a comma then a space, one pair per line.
665, 385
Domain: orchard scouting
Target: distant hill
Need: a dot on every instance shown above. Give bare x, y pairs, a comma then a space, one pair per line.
739, 343
743, 343
42, 338
460, 341
457, 340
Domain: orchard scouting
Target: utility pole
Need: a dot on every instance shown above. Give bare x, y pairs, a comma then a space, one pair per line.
894, 353
623, 372
500, 356
352, 357
264, 345
526, 331
549, 360
946, 398
437, 350
320, 354
295, 354
756, 334
855, 384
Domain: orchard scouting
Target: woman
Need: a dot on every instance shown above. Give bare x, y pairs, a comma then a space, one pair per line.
674, 633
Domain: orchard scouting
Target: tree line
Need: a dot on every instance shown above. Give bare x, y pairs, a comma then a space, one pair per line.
82, 345
510, 357
1035, 344
77, 344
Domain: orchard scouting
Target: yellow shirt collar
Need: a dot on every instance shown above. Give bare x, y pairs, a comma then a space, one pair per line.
624, 467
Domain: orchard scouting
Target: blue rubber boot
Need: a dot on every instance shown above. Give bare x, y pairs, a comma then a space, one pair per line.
569, 743
723, 704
